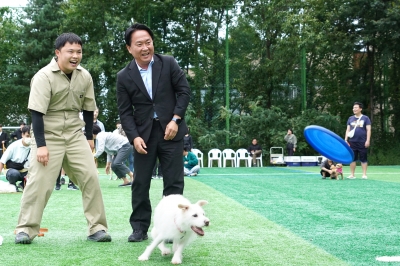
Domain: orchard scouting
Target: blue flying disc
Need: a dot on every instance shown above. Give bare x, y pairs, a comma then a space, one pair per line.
328, 144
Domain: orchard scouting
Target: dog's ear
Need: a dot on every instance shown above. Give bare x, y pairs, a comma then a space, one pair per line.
202, 202
183, 207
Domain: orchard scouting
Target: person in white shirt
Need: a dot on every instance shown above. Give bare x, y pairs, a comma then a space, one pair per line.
96, 121
119, 130
118, 149
16, 159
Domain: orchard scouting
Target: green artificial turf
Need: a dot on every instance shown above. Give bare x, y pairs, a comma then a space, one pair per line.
355, 220
259, 216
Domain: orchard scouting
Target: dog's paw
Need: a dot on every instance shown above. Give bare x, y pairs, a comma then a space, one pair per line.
143, 257
176, 259
165, 251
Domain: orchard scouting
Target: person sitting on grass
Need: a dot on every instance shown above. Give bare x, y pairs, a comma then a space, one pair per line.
15, 158
117, 146
190, 163
326, 169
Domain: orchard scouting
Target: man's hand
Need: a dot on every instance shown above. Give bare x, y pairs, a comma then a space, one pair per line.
91, 144
139, 145
171, 130
367, 144
108, 166
42, 155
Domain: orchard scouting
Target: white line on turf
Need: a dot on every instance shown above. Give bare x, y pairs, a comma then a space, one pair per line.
388, 258
294, 173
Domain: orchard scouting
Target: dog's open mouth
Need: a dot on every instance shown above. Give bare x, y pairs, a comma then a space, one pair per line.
198, 230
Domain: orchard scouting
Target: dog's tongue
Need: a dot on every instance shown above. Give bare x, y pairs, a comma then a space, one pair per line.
198, 230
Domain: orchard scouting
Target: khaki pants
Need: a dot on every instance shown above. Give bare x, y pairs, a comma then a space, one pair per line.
256, 154
70, 150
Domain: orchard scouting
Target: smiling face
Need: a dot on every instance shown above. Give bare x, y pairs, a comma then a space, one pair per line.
357, 109
69, 57
141, 48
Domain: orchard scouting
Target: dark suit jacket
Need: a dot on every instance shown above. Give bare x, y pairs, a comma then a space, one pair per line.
3, 136
17, 134
171, 95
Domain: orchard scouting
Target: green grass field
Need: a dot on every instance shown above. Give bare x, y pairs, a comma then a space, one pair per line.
259, 216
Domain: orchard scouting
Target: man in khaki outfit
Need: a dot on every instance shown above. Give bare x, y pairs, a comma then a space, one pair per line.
59, 92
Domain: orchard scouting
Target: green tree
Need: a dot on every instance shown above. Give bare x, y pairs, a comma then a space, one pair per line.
11, 110
40, 26
104, 53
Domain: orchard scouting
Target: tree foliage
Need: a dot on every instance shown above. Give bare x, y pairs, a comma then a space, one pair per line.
351, 46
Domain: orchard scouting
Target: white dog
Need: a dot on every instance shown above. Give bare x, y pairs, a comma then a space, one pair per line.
176, 219
6, 187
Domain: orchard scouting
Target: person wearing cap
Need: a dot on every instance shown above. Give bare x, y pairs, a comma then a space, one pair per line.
59, 91
3, 140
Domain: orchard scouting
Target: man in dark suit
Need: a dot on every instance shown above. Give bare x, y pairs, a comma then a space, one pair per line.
152, 95
3, 140
18, 132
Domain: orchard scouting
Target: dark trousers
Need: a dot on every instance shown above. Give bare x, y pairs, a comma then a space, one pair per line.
58, 181
170, 155
157, 169
13, 176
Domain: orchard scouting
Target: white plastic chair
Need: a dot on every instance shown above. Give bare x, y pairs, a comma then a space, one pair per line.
243, 154
228, 155
199, 155
258, 160
214, 155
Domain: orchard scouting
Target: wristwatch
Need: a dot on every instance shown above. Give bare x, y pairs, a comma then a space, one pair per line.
177, 120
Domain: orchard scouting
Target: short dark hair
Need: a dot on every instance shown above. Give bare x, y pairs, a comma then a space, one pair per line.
22, 123
25, 129
185, 149
136, 27
291, 130
118, 122
1, 125
359, 104
96, 129
67, 37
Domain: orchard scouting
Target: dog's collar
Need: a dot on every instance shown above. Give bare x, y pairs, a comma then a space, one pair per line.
178, 227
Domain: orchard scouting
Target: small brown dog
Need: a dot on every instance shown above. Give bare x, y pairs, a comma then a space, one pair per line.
334, 172
339, 171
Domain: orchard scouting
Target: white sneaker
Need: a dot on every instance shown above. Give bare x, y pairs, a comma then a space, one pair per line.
364, 177
351, 177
